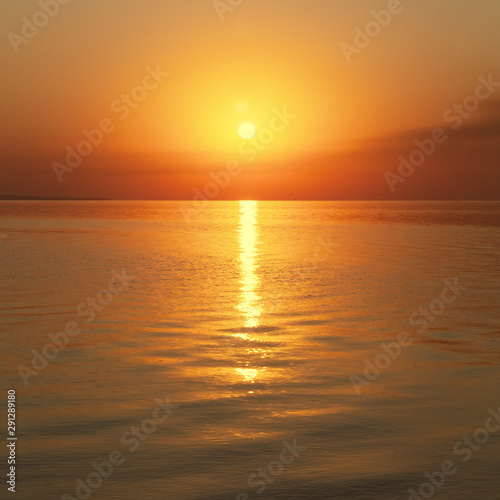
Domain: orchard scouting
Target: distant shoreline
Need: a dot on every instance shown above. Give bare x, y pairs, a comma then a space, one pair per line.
47, 198
68, 198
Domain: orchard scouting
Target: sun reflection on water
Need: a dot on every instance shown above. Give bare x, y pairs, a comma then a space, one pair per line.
249, 305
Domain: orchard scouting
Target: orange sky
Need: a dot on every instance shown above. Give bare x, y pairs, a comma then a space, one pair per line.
335, 113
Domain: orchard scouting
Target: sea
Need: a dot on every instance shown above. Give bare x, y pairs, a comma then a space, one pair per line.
241, 350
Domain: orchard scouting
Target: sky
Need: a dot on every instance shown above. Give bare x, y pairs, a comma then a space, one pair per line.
269, 99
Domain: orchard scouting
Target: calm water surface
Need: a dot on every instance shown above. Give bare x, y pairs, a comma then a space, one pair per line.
253, 318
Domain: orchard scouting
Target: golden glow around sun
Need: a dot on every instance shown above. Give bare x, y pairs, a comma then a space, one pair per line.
246, 130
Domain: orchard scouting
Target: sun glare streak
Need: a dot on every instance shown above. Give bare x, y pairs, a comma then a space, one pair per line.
249, 304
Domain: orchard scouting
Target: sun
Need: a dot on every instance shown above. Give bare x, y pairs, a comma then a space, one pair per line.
246, 130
